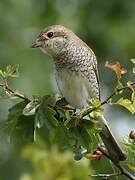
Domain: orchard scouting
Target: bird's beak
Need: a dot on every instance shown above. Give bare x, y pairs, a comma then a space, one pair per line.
36, 44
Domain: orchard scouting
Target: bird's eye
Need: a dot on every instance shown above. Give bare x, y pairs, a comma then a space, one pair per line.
49, 34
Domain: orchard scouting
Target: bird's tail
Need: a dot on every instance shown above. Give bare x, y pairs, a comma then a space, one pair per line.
110, 142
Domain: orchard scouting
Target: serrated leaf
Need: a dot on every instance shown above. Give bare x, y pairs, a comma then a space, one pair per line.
31, 108
127, 104
16, 121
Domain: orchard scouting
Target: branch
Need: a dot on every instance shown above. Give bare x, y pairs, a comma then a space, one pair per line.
105, 176
123, 171
16, 94
89, 110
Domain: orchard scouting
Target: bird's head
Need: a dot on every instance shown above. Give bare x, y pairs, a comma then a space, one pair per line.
53, 39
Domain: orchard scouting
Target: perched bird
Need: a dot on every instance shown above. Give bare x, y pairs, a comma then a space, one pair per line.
76, 75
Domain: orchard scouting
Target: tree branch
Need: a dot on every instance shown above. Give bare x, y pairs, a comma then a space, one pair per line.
122, 170
89, 110
16, 94
105, 176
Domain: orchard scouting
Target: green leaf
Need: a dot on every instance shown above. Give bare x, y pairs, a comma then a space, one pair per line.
127, 104
17, 123
31, 107
133, 60
119, 85
131, 167
79, 153
95, 102
133, 98
62, 137
45, 114
81, 135
11, 71
134, 70
68, 117
48, 100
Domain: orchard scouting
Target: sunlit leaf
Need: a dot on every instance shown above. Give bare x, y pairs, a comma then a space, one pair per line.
95, 102
116, 68
31, 107
134, 70
127, 104
131, 167
133, 60
11, 71
97, 113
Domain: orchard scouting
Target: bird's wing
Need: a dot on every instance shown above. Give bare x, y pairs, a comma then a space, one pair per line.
97, 76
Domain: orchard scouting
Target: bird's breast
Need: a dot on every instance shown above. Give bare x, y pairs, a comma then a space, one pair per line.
74, 87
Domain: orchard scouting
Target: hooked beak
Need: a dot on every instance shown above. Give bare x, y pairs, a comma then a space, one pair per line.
36, 44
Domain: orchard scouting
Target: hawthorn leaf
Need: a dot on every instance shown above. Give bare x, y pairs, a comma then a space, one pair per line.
81, 134
45, 114
62, 136
127, 104
16, 122
31, 108
11, 71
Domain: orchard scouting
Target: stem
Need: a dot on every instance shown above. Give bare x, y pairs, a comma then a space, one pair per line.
106, 175
8, 89
123, 171
89, 110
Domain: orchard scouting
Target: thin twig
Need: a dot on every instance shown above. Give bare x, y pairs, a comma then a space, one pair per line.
123, 171
8, 89
106, 175
89, 110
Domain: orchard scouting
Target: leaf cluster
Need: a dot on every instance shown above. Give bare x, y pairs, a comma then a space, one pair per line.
60, 124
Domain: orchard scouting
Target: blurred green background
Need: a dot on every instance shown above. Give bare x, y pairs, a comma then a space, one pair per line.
108, 27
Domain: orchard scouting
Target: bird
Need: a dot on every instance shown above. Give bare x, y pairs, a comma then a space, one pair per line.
76, 73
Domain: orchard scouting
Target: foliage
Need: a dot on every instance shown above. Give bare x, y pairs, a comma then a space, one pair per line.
106, 26
52, 165
129, 143
50, 118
